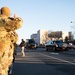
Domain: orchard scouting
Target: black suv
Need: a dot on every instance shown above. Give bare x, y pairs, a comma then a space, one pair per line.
55, 45
30, 44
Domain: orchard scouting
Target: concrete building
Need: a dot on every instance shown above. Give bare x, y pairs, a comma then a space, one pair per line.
34, 36
42, 36
60, 35
39, 37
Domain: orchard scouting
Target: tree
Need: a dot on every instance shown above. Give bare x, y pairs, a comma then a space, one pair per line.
66, 39
45, 37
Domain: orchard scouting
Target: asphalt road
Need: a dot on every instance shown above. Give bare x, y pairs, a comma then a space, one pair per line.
41, 62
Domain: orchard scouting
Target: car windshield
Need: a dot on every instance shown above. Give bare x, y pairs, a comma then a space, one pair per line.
58, 41
31, 41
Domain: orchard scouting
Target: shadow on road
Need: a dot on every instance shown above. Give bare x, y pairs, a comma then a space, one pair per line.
30, 69
41, 69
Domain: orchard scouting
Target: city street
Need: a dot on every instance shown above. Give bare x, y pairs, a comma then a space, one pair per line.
41, 62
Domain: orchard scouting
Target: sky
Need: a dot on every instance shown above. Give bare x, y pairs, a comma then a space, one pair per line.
55, 15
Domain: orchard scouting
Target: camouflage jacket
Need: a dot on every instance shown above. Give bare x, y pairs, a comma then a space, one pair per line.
7, 38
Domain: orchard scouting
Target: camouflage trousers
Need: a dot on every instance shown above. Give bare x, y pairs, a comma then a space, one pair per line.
4, 72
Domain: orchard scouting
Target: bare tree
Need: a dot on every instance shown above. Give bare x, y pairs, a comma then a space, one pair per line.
45, 37
66, 39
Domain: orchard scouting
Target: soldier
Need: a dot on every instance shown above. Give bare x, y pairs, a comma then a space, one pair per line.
8, 37
14, 38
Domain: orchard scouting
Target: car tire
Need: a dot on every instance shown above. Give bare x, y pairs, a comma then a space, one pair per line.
46, 49
54, 48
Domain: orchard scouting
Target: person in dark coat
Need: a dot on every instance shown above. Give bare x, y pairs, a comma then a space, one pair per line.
22, 45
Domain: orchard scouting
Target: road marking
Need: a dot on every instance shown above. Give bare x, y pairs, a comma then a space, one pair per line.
54, 53
58, 59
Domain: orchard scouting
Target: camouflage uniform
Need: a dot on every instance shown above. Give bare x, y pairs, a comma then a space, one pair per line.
8, 37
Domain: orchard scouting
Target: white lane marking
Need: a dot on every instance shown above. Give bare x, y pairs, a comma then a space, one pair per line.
58, 59
54, 53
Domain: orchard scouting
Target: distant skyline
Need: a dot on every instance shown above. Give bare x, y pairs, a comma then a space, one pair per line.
37, 15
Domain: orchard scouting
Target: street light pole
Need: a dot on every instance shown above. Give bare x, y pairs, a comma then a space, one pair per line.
72, 22
73, 27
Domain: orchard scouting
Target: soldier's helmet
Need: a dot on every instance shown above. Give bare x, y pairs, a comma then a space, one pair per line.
5, 11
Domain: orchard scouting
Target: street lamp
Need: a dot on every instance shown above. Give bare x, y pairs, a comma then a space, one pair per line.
73, 27
72, 22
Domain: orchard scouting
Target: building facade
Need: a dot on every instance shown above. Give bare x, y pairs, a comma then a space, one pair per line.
42, 36
61, 35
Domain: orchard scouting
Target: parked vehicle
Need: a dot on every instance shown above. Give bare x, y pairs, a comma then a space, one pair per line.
30, 44
55, 45
71, 46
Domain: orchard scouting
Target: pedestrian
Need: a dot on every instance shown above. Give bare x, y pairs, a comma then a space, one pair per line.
22, 45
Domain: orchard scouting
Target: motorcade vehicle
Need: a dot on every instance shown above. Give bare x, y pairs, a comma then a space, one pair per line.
56, 45
71, 45
30, 44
